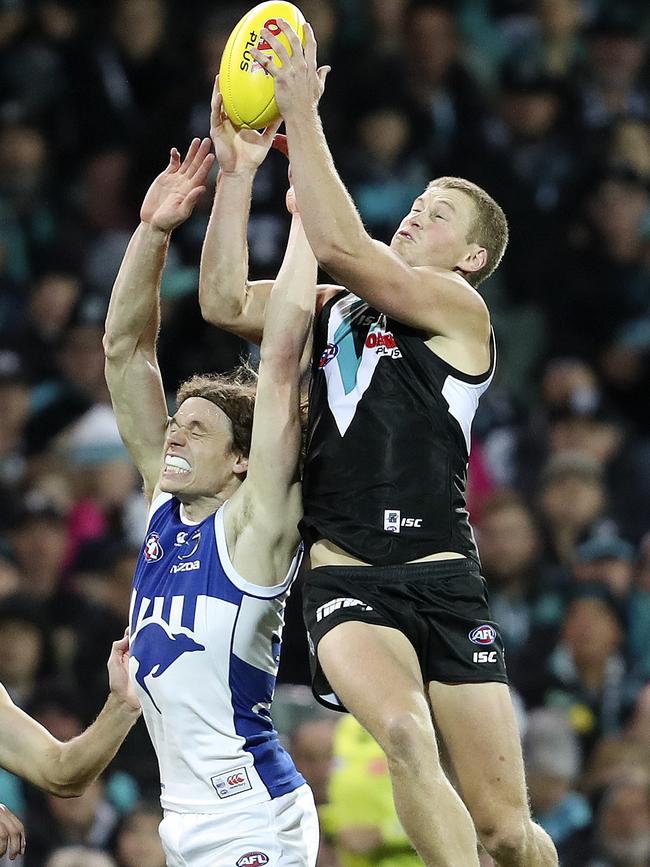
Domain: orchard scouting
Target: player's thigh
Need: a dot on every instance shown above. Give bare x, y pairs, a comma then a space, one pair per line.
375, 672
479, 728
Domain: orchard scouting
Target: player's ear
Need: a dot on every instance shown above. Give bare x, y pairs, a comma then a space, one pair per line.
240, 466
474, 260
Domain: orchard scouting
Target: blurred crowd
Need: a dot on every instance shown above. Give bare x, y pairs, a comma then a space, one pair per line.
545, 103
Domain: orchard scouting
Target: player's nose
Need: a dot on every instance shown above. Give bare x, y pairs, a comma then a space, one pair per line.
176, 437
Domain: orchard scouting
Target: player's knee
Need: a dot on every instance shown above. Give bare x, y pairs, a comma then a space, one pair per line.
404, 738
506, 835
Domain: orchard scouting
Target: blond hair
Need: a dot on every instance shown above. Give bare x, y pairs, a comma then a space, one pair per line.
489, 228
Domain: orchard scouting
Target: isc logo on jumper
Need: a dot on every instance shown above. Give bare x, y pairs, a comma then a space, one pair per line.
484, 634
484, 656
330, 607
231, 783
393, 521
152, 550
252, 859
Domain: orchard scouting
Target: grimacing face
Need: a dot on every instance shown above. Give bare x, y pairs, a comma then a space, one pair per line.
435, 232
198, 460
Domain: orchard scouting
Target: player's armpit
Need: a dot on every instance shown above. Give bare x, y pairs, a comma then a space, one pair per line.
263, 533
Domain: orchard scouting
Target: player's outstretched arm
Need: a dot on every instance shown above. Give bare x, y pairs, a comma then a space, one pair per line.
66, 769
227, 297
427, 298
133, 318
263, 515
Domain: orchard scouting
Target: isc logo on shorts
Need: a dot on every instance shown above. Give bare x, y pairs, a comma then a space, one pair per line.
231, 783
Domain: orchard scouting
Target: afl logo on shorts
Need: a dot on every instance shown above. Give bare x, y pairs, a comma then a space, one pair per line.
329, 354
152, 548
253, 859
484, 634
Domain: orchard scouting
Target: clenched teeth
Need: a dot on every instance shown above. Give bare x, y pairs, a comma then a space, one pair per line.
176, 464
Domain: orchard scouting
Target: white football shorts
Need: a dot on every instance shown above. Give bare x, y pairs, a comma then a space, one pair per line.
282, 832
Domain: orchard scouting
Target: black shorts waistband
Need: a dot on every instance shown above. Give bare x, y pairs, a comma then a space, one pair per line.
430, 570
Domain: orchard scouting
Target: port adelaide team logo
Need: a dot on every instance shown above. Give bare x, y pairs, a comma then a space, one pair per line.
153, 550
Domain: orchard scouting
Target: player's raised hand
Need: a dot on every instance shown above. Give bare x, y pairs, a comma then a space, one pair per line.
172, 196
12, 834
238, 150
299, 81
118, 673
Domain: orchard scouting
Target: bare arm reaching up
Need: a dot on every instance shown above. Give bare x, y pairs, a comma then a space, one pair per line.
262, 517
226, 296
133, 318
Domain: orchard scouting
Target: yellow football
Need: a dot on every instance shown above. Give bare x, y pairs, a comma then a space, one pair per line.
248, 91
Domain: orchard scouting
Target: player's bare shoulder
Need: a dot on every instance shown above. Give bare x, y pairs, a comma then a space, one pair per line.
451, 290
465, 341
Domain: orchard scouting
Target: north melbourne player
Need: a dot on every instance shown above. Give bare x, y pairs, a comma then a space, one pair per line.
219, 555
395, 605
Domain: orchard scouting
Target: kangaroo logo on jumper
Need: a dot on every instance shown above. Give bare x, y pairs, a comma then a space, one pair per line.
156, 649
349, 378
153, 550
190, 545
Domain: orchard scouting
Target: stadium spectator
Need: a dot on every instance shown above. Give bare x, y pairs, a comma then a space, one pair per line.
553, 761
621, 835
137, 843
585, 674
79, 856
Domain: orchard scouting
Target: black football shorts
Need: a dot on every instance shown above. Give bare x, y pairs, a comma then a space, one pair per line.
441, 607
